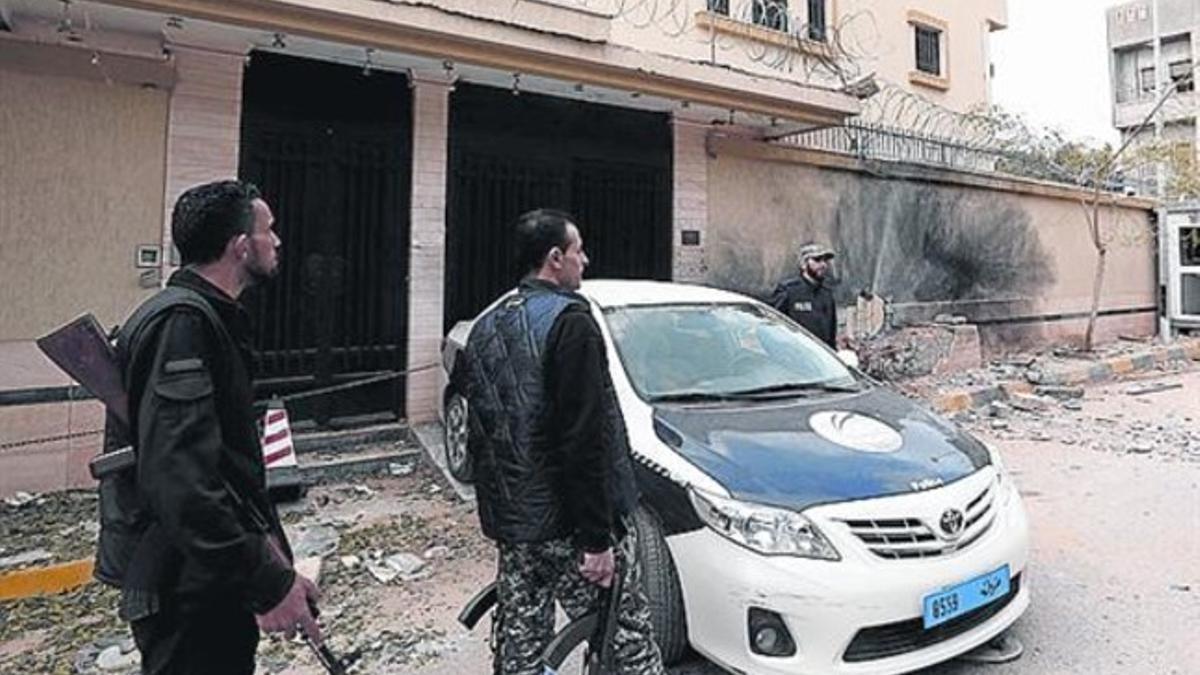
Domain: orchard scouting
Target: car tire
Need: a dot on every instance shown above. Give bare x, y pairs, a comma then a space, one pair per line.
661, 582
454, 440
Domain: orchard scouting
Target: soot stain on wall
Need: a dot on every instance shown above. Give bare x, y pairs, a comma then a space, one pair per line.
906, 241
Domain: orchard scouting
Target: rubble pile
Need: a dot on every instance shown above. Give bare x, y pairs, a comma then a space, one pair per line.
1064, 415
905, 354
47, 529
381, 546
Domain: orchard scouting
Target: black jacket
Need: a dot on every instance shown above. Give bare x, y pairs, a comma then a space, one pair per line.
810, 305
199, 491
547, 436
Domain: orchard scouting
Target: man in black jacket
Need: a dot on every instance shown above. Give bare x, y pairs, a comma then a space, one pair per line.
807, 299
191, 536
554, 477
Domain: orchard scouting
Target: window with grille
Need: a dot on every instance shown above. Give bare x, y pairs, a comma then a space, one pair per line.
1146, 79
719, 6
1182, 76
771, 14
816, 20
929, 50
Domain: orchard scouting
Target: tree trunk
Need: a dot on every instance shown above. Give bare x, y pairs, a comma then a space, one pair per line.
1097, 284
1097, 280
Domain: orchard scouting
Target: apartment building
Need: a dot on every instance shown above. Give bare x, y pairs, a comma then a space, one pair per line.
1136, 79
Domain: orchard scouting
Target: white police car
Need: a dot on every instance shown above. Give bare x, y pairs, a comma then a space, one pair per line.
797, 517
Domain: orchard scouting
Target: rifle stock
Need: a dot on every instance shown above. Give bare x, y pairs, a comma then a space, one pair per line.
84, 352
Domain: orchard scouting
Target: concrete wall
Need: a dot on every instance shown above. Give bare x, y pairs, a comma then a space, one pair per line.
81, 186
1014, 256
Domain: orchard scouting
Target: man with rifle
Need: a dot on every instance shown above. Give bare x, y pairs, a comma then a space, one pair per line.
188, 533
554, 479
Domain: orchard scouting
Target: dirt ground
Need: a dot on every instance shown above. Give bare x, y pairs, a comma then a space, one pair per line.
1110, 479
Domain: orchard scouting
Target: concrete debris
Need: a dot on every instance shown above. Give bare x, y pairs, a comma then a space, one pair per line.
350, 562
363, 490
436, 553
950, 319
403, 566
1152, 388
407, 565
999, 425
317, 540
999, 409
1072, 404
114, 659
1030, 402
27, 558
20, 499
1141, 447
1059, 392
401, 469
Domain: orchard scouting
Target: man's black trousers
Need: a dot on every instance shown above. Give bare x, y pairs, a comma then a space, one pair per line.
213, 639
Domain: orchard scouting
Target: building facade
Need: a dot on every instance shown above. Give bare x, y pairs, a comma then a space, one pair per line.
1136, 80
396, 142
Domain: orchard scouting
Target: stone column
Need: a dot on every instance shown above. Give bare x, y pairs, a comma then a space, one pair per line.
427, 262
690, 200
203, 127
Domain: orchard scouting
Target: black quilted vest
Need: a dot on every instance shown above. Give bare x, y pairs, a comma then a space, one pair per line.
517, 471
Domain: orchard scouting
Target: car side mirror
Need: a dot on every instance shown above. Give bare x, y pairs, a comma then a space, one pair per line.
848, 357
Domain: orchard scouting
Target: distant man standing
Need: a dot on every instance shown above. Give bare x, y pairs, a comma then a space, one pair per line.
554, 477
807, 299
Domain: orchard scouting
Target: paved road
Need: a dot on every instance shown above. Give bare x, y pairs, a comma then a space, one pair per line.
1116, 541
1115, 568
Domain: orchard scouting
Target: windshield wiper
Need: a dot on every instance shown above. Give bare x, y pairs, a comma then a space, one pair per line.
755, 393
794, 387
695, 397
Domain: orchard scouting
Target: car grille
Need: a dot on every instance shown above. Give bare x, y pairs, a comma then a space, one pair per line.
879, 642
905, 538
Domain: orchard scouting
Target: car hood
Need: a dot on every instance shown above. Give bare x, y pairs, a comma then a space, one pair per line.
798, 452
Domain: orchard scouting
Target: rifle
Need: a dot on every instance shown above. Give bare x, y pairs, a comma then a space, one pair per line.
83, 350
597, 628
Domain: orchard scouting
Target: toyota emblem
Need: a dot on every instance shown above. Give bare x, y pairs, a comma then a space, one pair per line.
952, 523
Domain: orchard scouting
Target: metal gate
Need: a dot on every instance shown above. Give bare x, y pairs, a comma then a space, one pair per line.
330, 149
610, 167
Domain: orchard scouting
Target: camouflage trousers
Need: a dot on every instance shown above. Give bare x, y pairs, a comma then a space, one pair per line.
532, 576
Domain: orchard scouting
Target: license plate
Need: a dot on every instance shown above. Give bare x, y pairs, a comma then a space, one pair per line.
957, 600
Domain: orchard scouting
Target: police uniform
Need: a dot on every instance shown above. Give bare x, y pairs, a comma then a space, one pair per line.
810, 304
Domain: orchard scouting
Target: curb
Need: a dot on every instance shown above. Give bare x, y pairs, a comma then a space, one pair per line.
1095, 373
46, 580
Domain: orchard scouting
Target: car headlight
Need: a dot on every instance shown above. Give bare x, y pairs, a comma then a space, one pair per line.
765, 529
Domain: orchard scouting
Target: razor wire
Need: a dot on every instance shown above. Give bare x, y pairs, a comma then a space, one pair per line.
834, 52
10, 446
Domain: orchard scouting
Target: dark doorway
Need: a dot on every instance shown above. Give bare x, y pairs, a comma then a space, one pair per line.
330, 148
609, 166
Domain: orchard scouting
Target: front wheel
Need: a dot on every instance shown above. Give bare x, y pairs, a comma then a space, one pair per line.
458, 460
662, 587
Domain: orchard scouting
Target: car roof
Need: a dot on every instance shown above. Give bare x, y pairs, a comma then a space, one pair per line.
623, 292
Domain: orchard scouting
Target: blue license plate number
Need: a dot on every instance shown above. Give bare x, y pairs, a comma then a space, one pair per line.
957, 600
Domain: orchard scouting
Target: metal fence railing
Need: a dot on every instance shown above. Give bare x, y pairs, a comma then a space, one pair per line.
877, 142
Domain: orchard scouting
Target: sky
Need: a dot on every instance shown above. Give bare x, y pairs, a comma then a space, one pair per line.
1052, 66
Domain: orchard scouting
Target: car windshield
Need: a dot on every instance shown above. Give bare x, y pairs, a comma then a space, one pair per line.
702, 351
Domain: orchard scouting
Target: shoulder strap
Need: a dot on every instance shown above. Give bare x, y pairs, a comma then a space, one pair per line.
168, 299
